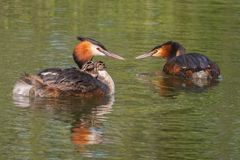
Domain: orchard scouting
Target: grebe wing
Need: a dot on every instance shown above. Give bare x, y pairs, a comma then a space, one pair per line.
72, 80
191, 61
50, 75
186, 64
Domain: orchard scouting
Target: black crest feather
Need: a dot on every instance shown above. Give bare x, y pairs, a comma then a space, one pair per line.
80, 38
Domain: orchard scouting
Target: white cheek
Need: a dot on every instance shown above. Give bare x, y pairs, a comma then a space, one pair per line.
95, 51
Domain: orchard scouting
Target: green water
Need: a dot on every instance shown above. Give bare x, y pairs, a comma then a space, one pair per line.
150, 117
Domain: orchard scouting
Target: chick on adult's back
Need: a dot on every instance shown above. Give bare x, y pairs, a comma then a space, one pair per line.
55, 82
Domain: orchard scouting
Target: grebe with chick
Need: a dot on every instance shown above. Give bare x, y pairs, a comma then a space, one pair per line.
90, 79
191, 65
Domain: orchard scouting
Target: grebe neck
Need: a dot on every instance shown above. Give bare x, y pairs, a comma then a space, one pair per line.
176, 50
81, 62
105, 78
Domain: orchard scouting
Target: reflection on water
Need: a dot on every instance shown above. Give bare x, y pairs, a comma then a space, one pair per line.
88, 116
169, 86
144, 123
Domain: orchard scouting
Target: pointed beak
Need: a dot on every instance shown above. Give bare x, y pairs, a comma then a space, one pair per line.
109, 54
145, 55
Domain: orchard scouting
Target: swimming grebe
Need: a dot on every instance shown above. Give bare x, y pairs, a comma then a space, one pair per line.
191, 65
90, 79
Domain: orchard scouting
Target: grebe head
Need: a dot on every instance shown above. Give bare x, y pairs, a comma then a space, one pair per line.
92, 68
87, 48
166, 50
97, 70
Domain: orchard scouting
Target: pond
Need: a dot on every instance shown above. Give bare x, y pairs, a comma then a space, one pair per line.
150, 116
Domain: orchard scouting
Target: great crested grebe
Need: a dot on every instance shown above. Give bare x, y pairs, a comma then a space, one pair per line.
191, 65
90, 79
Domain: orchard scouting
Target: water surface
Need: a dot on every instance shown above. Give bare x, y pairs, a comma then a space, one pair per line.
151, 116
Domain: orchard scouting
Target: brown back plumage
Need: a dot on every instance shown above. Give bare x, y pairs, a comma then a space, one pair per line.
187, 64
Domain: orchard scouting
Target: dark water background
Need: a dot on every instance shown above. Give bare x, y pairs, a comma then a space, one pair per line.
151, 116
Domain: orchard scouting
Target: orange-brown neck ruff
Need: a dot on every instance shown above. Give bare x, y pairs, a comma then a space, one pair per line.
169, 50
165, 51
82, 53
